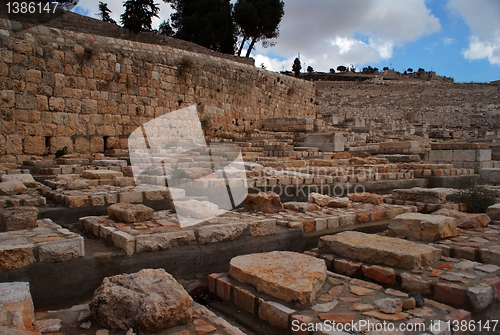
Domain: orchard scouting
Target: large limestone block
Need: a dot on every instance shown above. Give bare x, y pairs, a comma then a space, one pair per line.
130, 213
365, 197
465, 220
17, 218
319, 199
12, 187
148, 301
417, 194
17, 313
267, 202
14, 256
423, 227
196, 209
494, 212
101, 174
282, 274
220, 232
382, 250
26, 179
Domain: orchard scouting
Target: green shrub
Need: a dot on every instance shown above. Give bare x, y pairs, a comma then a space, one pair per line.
477, 198
178, 173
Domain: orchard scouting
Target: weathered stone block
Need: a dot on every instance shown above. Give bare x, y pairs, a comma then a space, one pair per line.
129, 213
12, 187
101, 174
422, 227
464, 155
494, 212
379, 249
267, 202
35, 145
262, 227
285, 275
275, 313
16, 256
62, 250
220, 232
122, 240
130, 197
440, 156
164, 241
154, 301
17, 218
16, 308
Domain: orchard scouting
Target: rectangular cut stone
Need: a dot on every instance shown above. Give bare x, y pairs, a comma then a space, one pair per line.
101, 174
282, 274
424, 227
417, 194
379, 249
464, 155
440, 155
62, 250
275, 313
16, 256
220, 232
164, 241
17, 313
244, 299
262, 227
123, 241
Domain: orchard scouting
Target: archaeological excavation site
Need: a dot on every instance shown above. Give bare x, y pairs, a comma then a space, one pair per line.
151, 186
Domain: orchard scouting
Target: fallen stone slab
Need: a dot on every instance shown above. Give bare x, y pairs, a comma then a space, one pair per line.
130, 213
369, 198
196, 209
25, 178
17, 218
418, 194
101, 174
422, 227
12, 187
17, 313
267, 202
148, 301
342, 202
282, 274
319, 199
377, 249
465, 220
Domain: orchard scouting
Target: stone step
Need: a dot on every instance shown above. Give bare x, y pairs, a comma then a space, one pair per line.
380, 250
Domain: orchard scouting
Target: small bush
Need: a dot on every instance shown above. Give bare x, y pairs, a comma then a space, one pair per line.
477, 198
186, 64
178, 173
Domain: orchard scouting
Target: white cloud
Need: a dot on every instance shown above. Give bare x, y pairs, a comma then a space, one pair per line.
448, 41
342, 32
483, 20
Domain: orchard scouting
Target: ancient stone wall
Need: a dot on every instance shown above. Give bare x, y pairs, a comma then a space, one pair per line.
88, 92
459, 106
67, 20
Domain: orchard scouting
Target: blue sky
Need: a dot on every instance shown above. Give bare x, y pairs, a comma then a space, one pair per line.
455, 38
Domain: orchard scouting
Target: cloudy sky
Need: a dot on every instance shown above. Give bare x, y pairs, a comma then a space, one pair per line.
455, 38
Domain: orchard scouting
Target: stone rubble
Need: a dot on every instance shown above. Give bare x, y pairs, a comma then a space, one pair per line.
148, 301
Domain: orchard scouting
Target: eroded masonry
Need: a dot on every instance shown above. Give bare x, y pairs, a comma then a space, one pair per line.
162, 188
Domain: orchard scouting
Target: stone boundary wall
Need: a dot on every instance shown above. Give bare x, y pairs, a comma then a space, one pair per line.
84, 24
88, 92
458, 106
